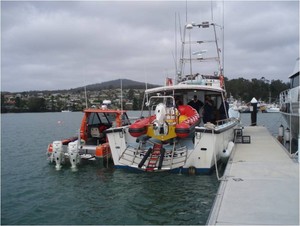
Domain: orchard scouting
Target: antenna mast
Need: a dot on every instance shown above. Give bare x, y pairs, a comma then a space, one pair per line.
86, 104
121, 94
176, 68
186, 12
223, 36
211, 10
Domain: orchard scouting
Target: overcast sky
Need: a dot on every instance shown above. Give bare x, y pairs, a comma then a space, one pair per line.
63, 45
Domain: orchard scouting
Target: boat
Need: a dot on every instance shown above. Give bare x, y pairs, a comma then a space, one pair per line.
171, 135
272, 108
289, 103
91, 143
245, 108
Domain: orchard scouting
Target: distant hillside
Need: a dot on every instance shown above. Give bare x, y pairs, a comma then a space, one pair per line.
114, 84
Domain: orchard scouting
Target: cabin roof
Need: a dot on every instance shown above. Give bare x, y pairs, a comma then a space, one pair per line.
98, 110
185, 87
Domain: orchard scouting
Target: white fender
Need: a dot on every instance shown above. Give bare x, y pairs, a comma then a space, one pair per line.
226, 153
287, 135
280, 131
73, 153
58, 153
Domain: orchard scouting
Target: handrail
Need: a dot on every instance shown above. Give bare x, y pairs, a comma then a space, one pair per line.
133, 152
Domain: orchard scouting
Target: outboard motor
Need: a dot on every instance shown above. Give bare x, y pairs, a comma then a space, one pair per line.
160, 126
160, 112
58, 154
73, 153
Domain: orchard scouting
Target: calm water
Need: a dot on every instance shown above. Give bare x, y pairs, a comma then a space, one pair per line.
33, 192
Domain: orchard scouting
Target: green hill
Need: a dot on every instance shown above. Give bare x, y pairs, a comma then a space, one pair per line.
114, 84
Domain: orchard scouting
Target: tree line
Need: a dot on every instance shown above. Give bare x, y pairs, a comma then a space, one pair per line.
262, 89
240, 88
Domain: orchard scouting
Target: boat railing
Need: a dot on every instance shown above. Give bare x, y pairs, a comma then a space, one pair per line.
173, 157
172, 116
181, 156
284, 97
223, 121
131, 153
205, 80
285, 101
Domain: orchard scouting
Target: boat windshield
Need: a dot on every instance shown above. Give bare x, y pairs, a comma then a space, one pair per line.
99, 118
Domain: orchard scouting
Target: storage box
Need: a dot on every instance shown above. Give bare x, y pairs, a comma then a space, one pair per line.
246, 139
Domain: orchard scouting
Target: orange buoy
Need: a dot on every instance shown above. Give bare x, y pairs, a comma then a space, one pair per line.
102, 150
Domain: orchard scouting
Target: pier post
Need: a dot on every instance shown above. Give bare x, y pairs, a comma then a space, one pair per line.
253, 110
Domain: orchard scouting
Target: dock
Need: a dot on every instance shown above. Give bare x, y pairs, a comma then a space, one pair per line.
260, 185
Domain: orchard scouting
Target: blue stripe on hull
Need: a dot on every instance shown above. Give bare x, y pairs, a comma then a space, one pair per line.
198, 171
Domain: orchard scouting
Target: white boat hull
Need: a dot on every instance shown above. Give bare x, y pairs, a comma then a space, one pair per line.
198, 152
272, 110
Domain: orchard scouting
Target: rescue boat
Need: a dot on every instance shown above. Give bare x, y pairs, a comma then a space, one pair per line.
185, 122
139, 127
188, 119
91, 143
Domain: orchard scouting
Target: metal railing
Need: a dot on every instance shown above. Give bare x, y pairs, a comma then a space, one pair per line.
173, 158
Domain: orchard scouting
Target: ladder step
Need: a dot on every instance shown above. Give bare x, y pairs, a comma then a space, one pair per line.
154, 157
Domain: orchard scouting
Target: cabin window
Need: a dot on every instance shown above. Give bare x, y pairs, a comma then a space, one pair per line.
98, 118
295, 81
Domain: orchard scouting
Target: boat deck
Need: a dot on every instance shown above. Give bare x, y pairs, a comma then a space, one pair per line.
261, 184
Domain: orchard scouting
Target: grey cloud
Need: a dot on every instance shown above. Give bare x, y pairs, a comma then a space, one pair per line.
58, 45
